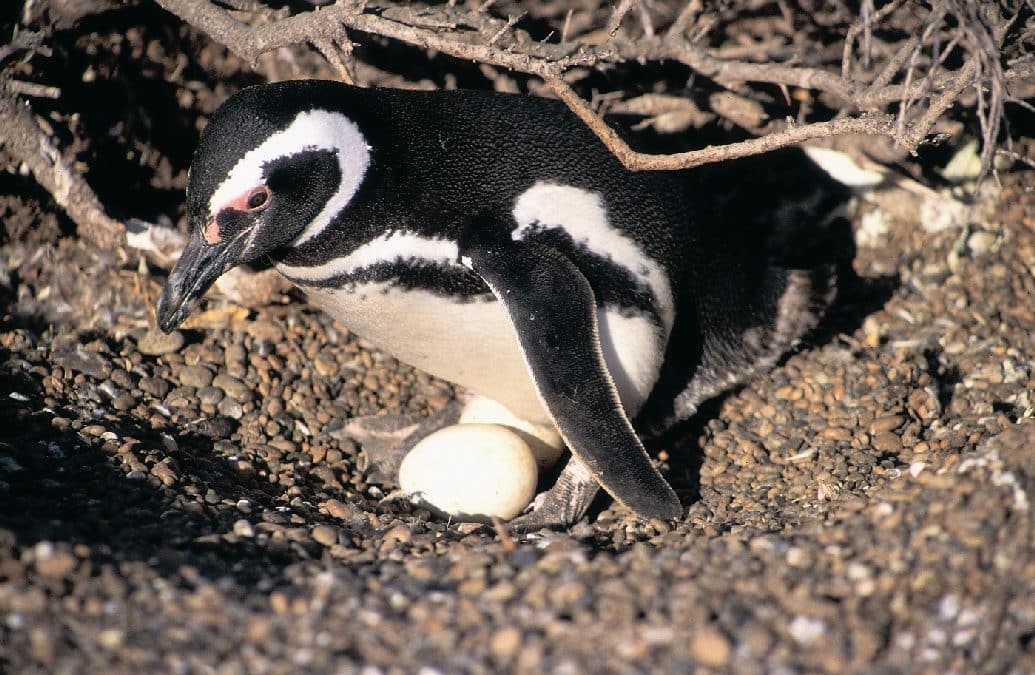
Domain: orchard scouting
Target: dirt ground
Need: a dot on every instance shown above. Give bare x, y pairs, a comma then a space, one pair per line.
190, 505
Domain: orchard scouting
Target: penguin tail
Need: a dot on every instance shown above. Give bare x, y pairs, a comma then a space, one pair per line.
788, 304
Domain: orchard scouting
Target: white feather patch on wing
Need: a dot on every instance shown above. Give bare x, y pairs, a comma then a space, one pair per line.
390, 247
311, 130
581, 213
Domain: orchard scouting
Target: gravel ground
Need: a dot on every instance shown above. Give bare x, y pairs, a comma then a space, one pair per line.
185, 504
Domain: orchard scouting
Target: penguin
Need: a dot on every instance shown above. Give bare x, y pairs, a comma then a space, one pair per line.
492, 240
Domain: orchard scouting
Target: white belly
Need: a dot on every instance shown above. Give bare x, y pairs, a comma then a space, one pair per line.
472, 344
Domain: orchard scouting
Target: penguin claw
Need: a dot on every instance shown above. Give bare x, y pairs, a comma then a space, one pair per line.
387, 438
562, 505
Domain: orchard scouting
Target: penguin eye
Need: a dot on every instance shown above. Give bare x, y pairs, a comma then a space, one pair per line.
258, 199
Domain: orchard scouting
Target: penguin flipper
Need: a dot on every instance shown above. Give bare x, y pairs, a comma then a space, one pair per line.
552, 310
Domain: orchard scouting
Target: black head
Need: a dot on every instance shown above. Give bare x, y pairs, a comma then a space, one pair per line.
275, 165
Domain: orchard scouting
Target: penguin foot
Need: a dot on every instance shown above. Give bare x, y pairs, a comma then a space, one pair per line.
387, 438
562, 505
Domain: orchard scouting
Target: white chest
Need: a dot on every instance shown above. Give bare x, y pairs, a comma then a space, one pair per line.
472, 344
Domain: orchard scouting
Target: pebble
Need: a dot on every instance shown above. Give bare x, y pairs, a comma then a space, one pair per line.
155, 386
209, 395
124, 402
888, 423
325, 534
710, 647
156, 343
325, 365
88, 363
230, 408
233, 387
505, 642
242, 528
337, 509
195, 376
806, 630
216, 427
887, 441
53, 563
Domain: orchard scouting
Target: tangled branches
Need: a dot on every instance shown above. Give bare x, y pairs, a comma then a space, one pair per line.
893, 89
766, 73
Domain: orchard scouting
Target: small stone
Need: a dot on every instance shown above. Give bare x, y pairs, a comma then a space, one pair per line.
230, 408
710, 647
505, 642
88, 363
111, 638
325, 534
156, 343
195, 376
401, 533
216, 427
53, 563
124, 402
164, 473
981, 242
242, 528
233, 387
336, 509
155, 386
264, 331
887, 442
279, 602
121, 378
325, 365
887, 423
210, 395
806, 630
836, 434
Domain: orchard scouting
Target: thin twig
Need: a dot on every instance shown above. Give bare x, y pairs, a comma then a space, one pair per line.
33, 89
333, 56
865, 23
621, 9
638, 161
27, 144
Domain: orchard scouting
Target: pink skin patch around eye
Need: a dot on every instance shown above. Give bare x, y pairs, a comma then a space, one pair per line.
238, 203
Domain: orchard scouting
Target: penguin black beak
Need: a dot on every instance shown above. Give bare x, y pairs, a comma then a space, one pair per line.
199, 266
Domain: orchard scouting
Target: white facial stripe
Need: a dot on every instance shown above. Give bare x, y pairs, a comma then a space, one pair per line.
312, 130
582, 215
397, 245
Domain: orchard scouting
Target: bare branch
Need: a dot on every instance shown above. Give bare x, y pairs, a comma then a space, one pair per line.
638, 161
27, 144
534, 58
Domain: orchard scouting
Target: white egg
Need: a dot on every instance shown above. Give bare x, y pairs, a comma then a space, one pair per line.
471, 470
546, 444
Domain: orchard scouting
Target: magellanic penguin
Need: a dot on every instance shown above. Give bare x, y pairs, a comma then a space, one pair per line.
493, 241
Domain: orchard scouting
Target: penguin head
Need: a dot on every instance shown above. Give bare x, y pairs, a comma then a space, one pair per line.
273, 168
